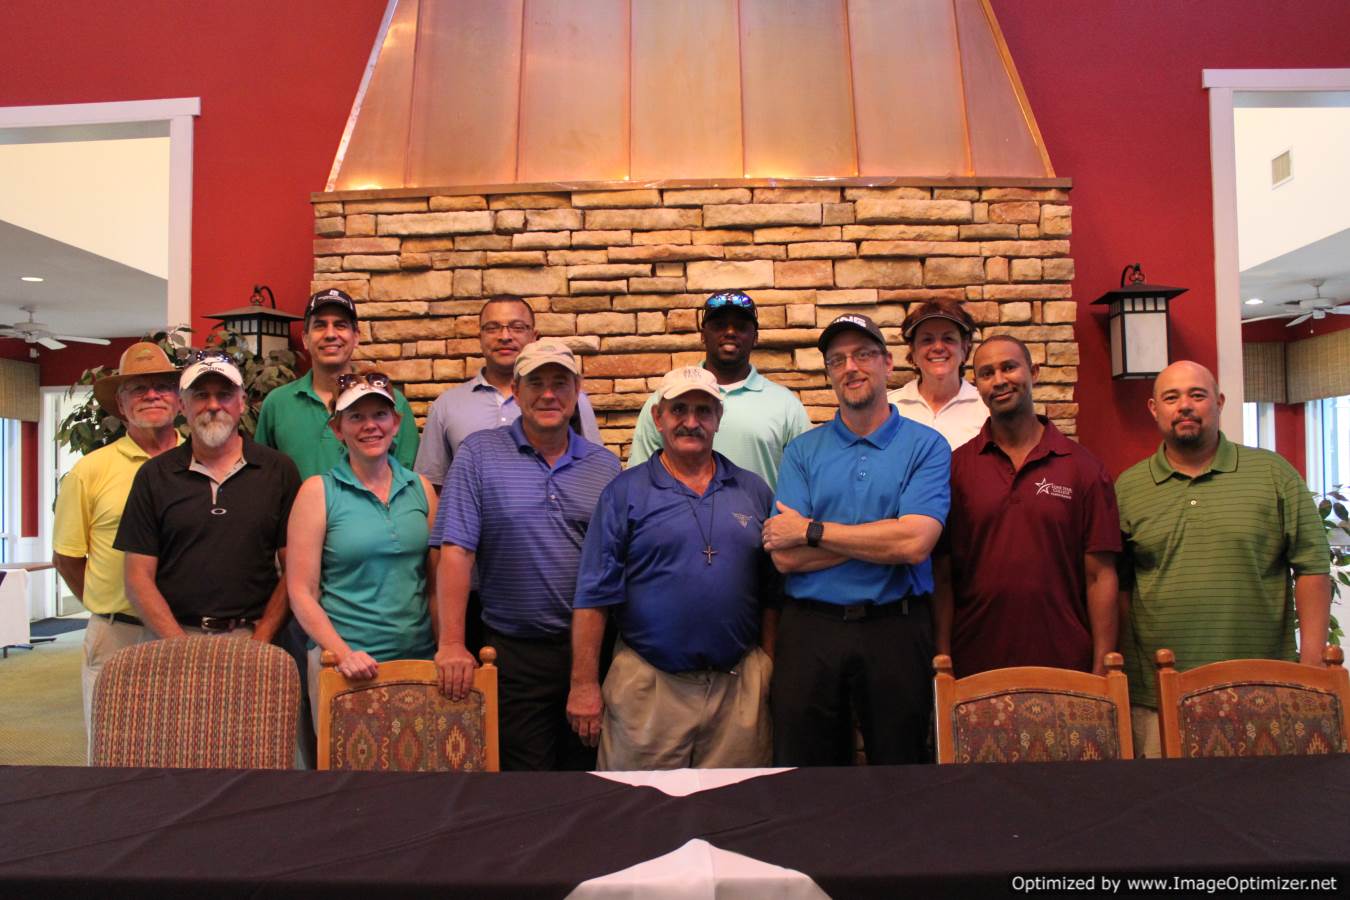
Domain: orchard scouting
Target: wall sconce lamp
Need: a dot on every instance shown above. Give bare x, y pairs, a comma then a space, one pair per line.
1137, 321
264, 329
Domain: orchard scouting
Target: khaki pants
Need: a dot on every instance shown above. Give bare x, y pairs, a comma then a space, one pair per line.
1144, 724
102, 639
705, 720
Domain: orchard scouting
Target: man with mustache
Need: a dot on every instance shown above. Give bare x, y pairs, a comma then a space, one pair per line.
674, 551
1025, 572
144, 394
205, 523
516, 503
1225, 553
861, 502
760, 417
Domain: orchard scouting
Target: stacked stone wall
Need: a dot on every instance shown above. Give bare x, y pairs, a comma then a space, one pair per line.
619, 275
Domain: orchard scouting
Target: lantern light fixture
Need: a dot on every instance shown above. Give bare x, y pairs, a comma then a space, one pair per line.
264, 329
1137, 322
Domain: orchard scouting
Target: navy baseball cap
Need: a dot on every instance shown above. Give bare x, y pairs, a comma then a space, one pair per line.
850, 322
331, 297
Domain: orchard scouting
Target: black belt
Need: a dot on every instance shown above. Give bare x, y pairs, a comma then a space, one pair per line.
213, 623
120, 617
857, 612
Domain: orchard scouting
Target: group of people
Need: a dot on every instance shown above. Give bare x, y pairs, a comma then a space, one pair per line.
748, 591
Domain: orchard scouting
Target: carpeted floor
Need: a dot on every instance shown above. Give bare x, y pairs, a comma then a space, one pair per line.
41, 709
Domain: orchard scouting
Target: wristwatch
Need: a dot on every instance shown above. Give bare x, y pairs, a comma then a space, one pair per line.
814, 532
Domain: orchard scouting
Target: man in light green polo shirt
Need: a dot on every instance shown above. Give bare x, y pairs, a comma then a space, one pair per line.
1212, 532
144, 395
759, 417
294, 417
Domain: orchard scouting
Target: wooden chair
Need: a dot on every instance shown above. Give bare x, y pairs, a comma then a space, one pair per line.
400, 721
1253, 707
197, 702
1032, 714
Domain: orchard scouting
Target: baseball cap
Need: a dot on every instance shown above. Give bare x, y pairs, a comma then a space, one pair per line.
678, 382
724, 301
850, 322
141, 358
950, 310
354, 386
543, 353
331, 297
211, 365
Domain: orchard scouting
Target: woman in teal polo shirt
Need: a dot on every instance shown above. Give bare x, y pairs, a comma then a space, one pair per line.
358, 569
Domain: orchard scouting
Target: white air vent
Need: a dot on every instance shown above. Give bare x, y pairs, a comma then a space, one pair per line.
1281, 169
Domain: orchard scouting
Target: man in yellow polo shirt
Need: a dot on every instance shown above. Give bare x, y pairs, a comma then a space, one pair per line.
144, 394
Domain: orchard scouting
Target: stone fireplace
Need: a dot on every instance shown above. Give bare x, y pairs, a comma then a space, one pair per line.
618, 273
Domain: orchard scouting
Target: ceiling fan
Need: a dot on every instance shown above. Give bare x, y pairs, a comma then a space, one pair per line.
1315, 308
32, 332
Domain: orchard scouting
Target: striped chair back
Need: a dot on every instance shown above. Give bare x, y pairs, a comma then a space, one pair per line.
197, 702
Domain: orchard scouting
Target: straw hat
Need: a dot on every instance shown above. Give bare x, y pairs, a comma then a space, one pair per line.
143, 358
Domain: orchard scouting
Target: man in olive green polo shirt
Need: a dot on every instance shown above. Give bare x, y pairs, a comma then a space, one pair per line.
294, 417
144, 395
1212, 532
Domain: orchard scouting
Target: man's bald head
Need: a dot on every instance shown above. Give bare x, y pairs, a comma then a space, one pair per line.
1186, 404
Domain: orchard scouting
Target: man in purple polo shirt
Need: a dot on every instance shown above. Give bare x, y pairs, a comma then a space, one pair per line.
517, 501
1025, 573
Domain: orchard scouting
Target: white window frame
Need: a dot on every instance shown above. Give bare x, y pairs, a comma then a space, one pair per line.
179, 113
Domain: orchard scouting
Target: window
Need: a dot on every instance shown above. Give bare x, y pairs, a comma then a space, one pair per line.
1328, 434
1258, 425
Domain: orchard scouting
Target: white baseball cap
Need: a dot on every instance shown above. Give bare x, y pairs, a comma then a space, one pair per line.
211, 365
681, 381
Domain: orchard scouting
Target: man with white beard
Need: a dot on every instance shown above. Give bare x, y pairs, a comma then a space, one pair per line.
204, 530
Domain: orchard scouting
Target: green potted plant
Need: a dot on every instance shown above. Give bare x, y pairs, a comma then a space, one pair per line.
1336, 520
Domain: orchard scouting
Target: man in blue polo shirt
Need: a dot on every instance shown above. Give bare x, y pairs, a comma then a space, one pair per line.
861, 503
517, 502
674, 549
760, 418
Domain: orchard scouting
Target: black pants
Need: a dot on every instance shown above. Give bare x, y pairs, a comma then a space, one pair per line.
826, 667
533, 678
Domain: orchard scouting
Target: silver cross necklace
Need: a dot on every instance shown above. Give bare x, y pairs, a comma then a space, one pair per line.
707, 551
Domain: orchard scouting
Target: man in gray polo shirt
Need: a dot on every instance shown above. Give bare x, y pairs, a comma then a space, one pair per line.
505, 325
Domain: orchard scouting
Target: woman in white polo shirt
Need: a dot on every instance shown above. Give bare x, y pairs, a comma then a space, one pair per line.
939, 336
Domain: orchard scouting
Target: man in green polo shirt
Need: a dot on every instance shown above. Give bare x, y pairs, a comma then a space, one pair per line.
294, 417
1212, 532
760, 417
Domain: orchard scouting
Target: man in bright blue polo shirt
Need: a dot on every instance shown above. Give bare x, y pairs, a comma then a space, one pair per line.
517, 502
760, 418
861, 503
674, 549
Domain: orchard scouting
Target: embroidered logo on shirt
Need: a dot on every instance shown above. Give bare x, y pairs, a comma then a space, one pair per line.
1062, 491
743, 518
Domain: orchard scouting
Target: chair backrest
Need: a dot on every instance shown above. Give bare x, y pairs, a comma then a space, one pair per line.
1253, 707
197, 702
399, 721
1032, 714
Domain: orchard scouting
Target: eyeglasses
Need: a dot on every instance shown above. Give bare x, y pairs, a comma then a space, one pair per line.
518, 329
862, 357
374, 379
137, 391
185, 355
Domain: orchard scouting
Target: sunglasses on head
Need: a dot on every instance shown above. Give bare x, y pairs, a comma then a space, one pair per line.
724, 299
374, 379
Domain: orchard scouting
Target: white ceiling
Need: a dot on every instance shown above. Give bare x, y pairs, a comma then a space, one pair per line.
1290, 276
83, 294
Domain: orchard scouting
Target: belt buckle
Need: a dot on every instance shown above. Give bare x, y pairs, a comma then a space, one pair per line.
855, 612
213, 623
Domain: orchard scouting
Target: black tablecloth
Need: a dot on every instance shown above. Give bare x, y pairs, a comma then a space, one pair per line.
920, 830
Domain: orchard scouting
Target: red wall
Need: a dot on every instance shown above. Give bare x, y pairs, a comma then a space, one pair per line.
1115, 85
1116, 89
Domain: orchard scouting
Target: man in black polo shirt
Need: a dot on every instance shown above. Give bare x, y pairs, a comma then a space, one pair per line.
205, 525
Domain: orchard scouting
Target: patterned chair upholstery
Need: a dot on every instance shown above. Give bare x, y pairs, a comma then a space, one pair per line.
1253, 707
1032, 714
400, 721
197, 702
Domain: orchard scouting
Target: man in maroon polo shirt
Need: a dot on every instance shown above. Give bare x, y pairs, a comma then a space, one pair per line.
1025, 573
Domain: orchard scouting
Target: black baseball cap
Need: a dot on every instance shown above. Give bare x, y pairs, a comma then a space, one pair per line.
850, 322
331, 297
724, 301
